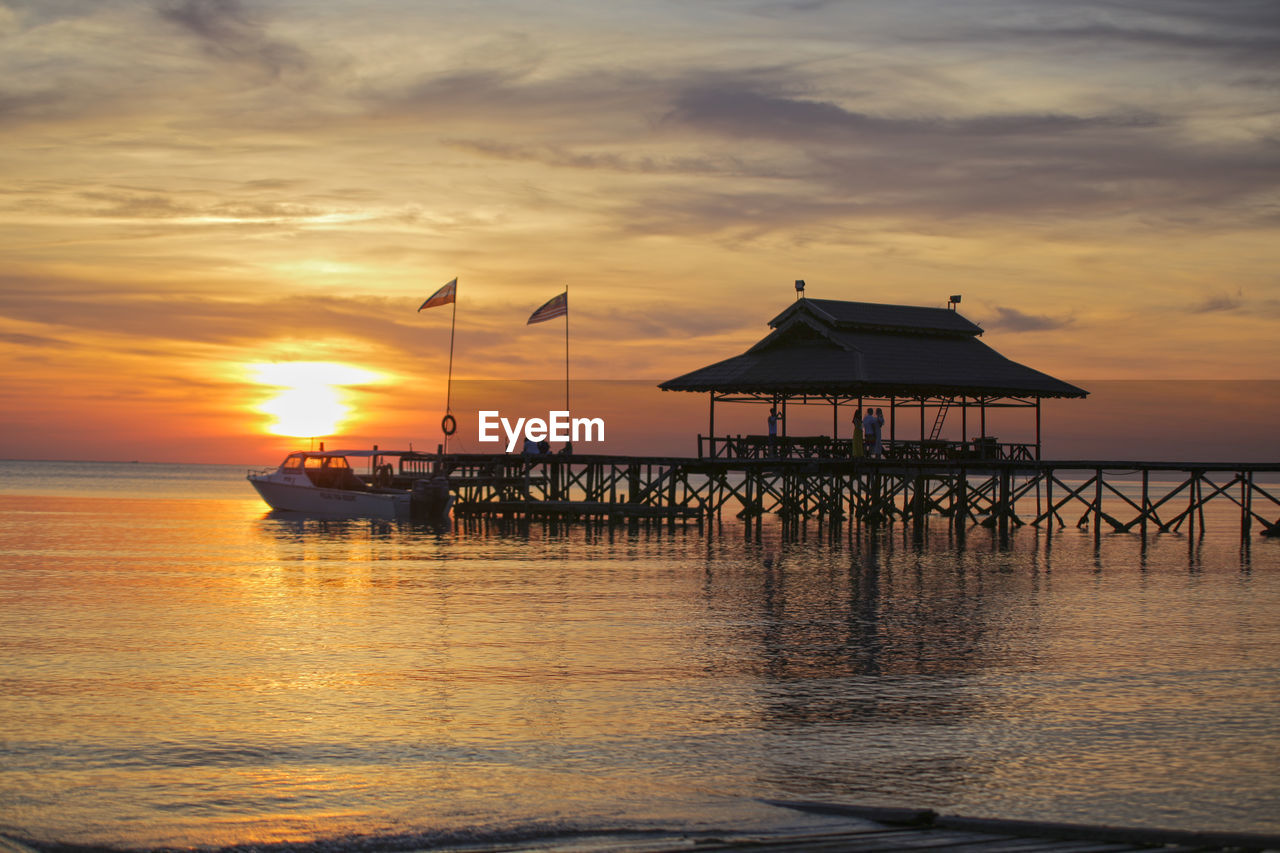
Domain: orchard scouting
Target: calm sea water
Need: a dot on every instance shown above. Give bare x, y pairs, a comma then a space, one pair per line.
178, 667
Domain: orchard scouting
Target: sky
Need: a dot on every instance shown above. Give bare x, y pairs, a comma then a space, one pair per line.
218, 217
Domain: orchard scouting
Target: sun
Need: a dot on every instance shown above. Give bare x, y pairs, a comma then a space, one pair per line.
312, 398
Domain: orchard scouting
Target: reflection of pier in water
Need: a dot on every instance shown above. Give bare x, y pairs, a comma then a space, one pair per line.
1123, 496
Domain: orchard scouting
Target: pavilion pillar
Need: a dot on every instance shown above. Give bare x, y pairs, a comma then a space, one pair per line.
711, 428
964, 421
857, 427
982, 407
922, 424
784, 417
893, 419
1037, 429
835, 418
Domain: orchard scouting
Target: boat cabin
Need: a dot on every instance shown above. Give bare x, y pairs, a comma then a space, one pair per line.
324, 470
333, 469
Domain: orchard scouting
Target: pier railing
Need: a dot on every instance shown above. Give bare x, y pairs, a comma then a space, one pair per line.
1121, 496
825, 447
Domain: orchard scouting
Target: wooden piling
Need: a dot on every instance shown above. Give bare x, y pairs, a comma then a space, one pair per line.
861, 491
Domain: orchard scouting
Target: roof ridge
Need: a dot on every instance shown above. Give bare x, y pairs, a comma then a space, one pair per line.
846, 314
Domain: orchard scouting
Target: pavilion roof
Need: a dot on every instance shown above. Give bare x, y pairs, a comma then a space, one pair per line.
830, 347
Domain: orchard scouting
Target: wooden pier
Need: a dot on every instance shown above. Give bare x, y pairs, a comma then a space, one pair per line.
884, 363
1120, 496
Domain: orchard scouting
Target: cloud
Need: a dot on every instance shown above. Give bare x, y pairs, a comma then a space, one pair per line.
132, 318
162, 313
710, 211
230, 33
570, 142
36, 341
1229, 31
149, 205
1013, 320
560, 156
1220, 302
16, 107
838, 161
745, 112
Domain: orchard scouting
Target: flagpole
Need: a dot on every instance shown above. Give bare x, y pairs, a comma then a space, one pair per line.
566, 348
448, 388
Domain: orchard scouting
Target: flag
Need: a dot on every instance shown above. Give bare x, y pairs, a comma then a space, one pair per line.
443, 296
556, 306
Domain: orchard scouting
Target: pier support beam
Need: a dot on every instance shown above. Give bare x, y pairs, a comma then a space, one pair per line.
864, 491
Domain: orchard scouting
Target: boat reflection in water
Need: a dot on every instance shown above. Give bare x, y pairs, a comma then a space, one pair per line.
323, 483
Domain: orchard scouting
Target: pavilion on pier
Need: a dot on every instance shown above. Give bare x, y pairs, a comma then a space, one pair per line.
920, 364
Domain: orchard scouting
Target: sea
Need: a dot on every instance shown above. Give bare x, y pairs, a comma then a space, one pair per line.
181, 668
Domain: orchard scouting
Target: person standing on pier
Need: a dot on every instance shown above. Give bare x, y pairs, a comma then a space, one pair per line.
872, 423
859, 444
773, 431
879, 448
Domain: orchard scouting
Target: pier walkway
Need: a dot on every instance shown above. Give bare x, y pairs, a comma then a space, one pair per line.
1123, 496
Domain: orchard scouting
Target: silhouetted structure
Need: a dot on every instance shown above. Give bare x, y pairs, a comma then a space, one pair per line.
1123, 495
857, 353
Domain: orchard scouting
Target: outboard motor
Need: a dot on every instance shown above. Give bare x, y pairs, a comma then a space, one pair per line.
429, 499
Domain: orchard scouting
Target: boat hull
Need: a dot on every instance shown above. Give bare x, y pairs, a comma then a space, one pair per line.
337, 502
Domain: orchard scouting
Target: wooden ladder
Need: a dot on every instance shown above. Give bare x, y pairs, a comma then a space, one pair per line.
938, 421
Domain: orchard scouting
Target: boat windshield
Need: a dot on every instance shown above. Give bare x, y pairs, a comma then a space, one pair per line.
327, 462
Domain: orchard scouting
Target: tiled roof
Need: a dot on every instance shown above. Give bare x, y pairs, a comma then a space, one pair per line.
864, 348
876, 315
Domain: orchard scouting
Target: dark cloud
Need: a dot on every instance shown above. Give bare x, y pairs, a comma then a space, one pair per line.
1228, 30
565, 157
838, 162
509, 94
36, 341
134, 205
696, 211
784, 158
135, 320
748, 113
20, 106
757, 144
131, 311
1013, 320
1253, 46
229, 32
1220, 302
128, 320
274, 185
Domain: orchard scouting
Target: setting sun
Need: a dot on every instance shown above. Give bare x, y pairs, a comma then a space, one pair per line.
312, 398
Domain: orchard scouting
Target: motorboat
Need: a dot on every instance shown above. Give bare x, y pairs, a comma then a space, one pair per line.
324, 483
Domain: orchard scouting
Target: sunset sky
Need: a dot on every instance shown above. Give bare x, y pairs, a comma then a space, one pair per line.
203, 199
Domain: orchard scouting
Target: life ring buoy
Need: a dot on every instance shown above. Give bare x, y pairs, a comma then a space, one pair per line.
449, 424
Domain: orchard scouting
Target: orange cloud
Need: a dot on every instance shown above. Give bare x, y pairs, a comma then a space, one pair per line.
205, 185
